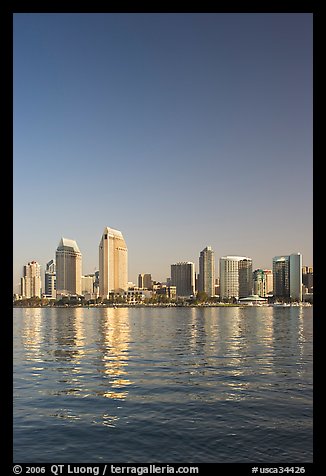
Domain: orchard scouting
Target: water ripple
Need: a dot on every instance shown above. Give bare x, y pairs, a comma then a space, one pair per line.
165, 385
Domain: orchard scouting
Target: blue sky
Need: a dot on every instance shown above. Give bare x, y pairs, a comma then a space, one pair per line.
181, 130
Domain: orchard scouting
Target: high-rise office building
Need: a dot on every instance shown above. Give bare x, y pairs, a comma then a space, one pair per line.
113, 263
69, 268
31, 281
50, 279
235, 277
206, 277
87, 283
287, 277
263, 282
144, 281
296, 276
308, 278
183, 277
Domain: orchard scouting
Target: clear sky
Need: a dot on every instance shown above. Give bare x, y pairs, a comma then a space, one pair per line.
180, 130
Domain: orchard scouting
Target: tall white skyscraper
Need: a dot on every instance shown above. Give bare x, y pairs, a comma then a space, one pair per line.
113, 263
183, 277
69, 268
206, 277
296, 276
31, 281
235, 277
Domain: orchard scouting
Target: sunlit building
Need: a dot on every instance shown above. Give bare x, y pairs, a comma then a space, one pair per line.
69, 268
262, 282
31, 281
87, 283
113, 263
235, 277
206, 276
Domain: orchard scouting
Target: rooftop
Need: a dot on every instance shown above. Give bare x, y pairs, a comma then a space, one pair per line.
67, 243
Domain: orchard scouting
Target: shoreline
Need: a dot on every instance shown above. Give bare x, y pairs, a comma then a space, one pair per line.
124, 306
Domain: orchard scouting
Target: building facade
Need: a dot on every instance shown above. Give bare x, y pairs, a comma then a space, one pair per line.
206, 277
235, 277
262, 282
68, 268
87, 284
287, 277
50, 277
31, 285
296, 277
113, 263
144, 281
183, 278
308, 278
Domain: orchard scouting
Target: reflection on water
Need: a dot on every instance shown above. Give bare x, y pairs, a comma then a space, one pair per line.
158, 374
113, 345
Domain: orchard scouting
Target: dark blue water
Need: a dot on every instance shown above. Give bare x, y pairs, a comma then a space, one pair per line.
193, 385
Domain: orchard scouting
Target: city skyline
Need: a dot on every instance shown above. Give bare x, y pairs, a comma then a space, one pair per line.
179, 129
118, 245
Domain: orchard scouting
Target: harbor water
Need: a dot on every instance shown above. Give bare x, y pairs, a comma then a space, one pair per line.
163, 385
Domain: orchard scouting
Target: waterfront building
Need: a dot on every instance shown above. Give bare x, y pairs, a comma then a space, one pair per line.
296, 277
87, 284
235, 277
217, 286
113, 263
68, 268
262, 282
167, 290
50, 277
31, 281
97, 283
287, 277
206, 276
145, 281
135, 295
307, 269
281, 277
253, 300
183, 277
308, 278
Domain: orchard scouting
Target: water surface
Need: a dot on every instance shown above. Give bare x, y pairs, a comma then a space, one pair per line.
164, 385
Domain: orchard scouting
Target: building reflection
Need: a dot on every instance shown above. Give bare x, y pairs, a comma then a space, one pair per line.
114, 338
289, 339
233, 346
69, 334
32, 334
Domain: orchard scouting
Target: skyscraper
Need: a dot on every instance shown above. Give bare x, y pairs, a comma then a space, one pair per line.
296, 276
183, 277
31, 281
263, 282
235, 277
308, 278
206, 277
144, 281
113, 263
69, 268
287, 277
50, 279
